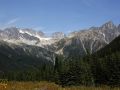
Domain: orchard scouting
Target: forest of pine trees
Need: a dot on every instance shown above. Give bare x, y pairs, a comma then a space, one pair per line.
100, 68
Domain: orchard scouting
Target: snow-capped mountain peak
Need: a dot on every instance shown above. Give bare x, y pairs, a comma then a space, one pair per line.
91, 39
27, 36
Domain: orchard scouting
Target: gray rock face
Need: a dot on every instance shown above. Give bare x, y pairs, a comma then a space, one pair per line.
14, 33
33, 32
10, 33
119, 27
108, 25
27, 36
84, 41
76, 43
25, 51
58, 35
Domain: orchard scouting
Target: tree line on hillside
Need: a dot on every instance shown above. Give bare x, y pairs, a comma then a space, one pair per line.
101, 68
87, 71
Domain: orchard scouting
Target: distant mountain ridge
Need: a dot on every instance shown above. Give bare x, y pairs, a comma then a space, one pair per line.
23, 56
27, 36
92, 39
75, 43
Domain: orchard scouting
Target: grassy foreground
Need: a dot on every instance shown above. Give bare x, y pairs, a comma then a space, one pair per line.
46, 86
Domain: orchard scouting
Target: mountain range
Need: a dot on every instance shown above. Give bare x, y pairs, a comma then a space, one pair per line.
35, 43
89, 56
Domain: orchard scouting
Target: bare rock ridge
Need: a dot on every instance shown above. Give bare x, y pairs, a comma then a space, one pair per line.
75, 43
108, 25
58, 35
92, 39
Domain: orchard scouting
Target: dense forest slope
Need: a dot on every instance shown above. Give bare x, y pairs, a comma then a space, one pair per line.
102, 67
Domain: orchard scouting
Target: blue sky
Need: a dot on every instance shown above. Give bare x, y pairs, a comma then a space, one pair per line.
58, 15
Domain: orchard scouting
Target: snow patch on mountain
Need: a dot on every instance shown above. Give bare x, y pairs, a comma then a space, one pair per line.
35, 35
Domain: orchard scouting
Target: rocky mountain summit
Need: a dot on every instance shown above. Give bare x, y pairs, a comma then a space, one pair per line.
88, 40
27, 36
75, 43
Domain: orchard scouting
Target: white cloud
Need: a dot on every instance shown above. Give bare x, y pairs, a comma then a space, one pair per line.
9, 23
12, 21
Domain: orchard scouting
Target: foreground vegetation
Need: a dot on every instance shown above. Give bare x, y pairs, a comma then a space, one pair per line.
47, 86
100, 68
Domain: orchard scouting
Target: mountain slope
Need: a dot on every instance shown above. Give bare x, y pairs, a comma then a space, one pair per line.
16, 57
75, 43
100, 68
112, 48
106, 64
27, 36
93, 39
